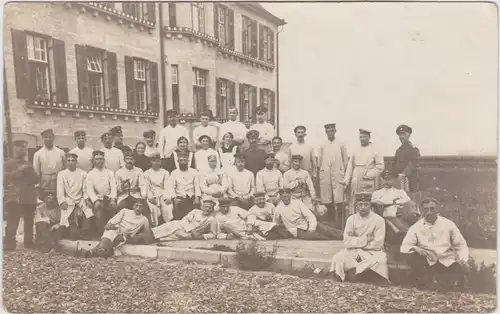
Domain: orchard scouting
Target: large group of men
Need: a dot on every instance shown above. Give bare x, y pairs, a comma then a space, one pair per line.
230, 182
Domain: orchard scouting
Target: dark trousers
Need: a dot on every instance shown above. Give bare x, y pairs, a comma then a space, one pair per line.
14, 212
329, 231
336, 213
278, 232
183, 208
311, 236
422, 274
246, 205
79, 227
47, 239
103, 213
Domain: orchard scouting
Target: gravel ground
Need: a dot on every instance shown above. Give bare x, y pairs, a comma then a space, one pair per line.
33, 282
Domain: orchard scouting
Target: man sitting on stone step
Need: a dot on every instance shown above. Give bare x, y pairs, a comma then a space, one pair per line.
364, 236
47, 223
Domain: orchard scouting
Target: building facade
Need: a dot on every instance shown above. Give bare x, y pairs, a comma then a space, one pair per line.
95, 65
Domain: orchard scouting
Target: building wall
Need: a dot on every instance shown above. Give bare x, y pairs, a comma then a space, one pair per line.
76, 27
188, 53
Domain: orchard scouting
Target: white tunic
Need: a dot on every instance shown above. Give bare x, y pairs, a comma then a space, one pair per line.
156, 182
150, 151
47, 163
364, 240
265, 213
238, 129
295, 215
237, 221
113, 158
388, 196
266, 134
184, 183
84, 158
210, 131
201, 159
137, 185
128, 223
72, 190
195, 220
240, 183
269, 181
100, 183
212, 182
442, 239
168, 139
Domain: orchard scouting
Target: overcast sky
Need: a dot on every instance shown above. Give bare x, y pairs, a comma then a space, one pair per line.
432, 66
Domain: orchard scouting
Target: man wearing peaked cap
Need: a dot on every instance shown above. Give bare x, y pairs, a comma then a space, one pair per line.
332, 161
130, 183
113, 157
83, 151
265, 129
269, 180
48, 161
300, 147
364, 236
406, 161
149, 138
254, 154
118, 139
363, 169
299, 180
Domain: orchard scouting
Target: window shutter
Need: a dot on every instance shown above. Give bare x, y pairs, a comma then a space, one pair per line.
261, 43
272, 107
130, 83
218, 105
127, 7
232, 97
242, 103
113, 79
83, 75
172, 15
60, 70
151, 9
261, 93
253, 39
21, 64
216, 20
230, 26
272, 47
253, 104
155, 95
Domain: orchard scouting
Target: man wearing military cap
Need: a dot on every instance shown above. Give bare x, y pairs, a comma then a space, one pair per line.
118, 139
255, 156
151, 146
113, 157
48, 161
19, 195
265, 129
83, 152
364, 236
269, 180
363, 169
406, 160
71, 197
300, 183
130, 183
300, 147
332, 167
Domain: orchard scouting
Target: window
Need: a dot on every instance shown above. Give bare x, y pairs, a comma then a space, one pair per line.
224, 26
248, 102
199, 90
198, 16
267, 100
266, 42
225, 94
141, 78
40, 66
97, 77
175, 87
172, 15
249, 37
141, 10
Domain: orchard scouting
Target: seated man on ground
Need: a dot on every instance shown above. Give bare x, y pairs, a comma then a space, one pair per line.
130, 182
437, 250
396, 207
240, 184
270, 180
128, 226
364, 236
265, 211
101, 190
184, 190
196, 225
300, 220
300, 183
47, 224
235, 222
72, 196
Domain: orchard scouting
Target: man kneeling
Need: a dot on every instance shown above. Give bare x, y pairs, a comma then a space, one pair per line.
128, 226
364, 236
196, 225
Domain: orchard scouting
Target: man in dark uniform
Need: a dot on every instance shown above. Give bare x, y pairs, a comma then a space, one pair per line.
255, 156
20, 196
118, 139
406, 161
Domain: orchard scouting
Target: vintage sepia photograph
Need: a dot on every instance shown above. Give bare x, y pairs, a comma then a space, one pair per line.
250, 157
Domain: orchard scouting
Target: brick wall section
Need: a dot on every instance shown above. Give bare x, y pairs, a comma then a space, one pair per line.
75, 27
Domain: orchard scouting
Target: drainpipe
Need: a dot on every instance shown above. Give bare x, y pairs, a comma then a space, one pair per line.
162, 67
8, 126
278, 83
